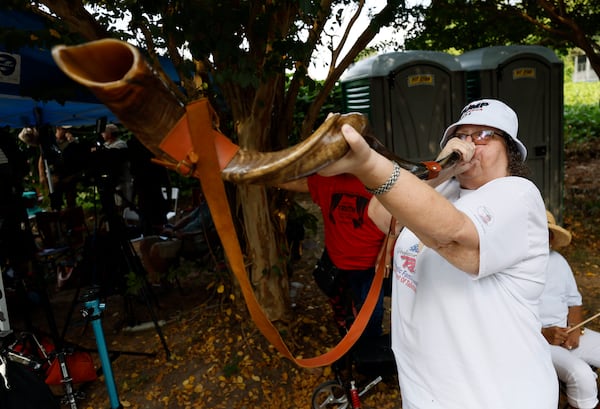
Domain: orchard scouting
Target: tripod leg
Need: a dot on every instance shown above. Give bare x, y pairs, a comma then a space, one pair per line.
66, 380
70, 312
118, 230
155, 321
136, 265
94, 307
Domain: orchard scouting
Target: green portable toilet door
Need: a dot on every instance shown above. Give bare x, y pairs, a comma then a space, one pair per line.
420, 109
525, 85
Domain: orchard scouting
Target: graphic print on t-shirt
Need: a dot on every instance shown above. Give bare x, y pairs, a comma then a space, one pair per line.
347, 209
406, 264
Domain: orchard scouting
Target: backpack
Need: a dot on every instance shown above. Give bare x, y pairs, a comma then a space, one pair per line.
25, 389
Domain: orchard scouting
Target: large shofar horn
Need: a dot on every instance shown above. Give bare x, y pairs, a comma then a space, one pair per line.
119, 76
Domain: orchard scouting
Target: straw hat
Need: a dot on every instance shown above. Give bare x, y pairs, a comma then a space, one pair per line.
560, 237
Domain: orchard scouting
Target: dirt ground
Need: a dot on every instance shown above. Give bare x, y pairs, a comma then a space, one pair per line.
582, 218
218, 359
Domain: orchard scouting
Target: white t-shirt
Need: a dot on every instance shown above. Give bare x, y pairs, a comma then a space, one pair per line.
475, 342
560, 292
116, 144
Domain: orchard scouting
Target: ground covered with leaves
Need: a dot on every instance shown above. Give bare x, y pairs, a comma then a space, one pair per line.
218, 359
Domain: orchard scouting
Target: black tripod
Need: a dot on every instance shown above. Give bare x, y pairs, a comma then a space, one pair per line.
119, 244
60, 349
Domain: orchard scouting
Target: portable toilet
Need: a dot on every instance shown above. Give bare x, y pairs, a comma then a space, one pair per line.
410, 98
530, 80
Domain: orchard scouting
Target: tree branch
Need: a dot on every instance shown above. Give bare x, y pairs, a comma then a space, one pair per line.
572, 30
335, 72
76, 18
335, 52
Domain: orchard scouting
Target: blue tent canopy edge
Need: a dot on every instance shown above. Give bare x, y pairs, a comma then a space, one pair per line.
33, 89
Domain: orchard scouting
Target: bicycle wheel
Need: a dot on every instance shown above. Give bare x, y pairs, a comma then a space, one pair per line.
330, 395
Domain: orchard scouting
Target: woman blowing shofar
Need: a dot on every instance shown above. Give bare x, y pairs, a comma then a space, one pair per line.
469, 267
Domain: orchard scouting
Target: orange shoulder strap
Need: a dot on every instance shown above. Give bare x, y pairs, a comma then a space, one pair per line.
204, 160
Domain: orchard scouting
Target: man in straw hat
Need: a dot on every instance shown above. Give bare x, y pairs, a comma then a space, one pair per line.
573, 350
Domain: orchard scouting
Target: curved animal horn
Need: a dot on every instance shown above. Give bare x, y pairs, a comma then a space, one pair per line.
320, 149
119, 76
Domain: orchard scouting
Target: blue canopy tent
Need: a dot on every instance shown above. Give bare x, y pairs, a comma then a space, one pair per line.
19, 112
34, 91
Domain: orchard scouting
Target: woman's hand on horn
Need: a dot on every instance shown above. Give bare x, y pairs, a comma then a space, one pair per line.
356, 160
466, 151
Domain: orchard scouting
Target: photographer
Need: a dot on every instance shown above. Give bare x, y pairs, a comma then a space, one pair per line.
60, 165
116, 157
110, 170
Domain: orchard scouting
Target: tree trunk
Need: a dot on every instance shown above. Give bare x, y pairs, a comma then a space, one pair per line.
267, 261
266, 266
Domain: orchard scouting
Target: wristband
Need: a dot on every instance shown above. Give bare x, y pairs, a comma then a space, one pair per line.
388, 183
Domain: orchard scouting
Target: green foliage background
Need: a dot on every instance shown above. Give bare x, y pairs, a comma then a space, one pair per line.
581, 112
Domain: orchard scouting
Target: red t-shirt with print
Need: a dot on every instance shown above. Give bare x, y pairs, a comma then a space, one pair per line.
352, 239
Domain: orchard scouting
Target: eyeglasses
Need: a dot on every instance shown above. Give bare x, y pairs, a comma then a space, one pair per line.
478, 137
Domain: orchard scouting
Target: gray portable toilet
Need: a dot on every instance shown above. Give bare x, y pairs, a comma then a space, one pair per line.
410, 98
530, 80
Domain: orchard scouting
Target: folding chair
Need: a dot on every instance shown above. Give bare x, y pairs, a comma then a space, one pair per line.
61, 238
51, 243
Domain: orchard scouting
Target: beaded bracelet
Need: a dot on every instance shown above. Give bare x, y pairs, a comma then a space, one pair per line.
388, 183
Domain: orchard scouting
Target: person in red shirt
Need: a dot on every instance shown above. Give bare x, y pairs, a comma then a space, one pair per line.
352, 243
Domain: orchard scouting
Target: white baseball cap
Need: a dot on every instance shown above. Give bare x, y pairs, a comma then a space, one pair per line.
490, 112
